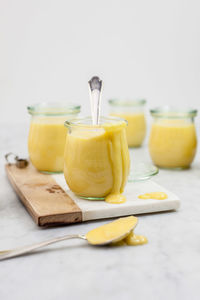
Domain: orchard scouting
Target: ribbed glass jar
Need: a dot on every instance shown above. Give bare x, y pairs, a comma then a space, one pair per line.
133, 112
96, 159
173, 141
47, 135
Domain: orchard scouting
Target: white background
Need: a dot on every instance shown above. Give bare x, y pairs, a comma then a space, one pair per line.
50, 49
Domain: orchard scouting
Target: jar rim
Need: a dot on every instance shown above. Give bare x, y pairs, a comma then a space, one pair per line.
127, 102
53, 109
173, 112
86, 122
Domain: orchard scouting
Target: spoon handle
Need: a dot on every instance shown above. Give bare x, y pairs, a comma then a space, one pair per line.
26, 249
95, 86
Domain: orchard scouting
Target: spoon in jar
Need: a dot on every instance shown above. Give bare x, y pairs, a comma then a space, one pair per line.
95, 86
103, 235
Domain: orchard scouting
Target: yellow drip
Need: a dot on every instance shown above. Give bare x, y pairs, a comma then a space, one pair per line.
115, 198
155, 195
120, 161
120, 230
133, 240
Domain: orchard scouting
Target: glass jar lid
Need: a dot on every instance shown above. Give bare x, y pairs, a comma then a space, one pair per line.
127, 102
53, 109
171, 112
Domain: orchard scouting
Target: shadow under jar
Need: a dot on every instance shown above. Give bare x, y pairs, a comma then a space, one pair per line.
133, 112
96, 159
47, 135
173, 141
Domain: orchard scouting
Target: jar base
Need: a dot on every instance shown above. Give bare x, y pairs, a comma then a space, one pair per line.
51, 173
92, 198
173, 168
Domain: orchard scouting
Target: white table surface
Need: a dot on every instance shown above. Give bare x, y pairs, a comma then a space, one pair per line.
168, 267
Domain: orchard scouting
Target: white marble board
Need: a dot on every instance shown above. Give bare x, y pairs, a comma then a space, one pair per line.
92, 210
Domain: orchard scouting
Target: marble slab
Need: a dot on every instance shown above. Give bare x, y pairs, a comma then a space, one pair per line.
93, 210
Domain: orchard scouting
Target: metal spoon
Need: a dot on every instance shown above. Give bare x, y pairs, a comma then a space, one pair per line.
26, 249
95, 86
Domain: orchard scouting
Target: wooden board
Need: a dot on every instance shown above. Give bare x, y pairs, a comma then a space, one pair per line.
49, 200
45, 200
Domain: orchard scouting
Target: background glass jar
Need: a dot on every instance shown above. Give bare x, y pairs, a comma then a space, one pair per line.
173, 141
47, 135
133, 112
96, 159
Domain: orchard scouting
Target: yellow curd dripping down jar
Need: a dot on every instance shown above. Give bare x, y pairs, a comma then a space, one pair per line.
96, 159
133, 112
173, 141
47, 135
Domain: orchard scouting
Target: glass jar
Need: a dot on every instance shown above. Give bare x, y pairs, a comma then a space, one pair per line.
96, 159
133, 112
47, 135
173, 141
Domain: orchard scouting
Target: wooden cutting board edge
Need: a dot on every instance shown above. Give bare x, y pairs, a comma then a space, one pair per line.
45, 220
20, 194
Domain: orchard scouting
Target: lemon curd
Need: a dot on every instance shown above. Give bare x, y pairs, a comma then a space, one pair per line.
133, 112
173, 141
120, 231
154, 195
134, 239
46, 144
96, 159
47, 136
136, 129
172, 144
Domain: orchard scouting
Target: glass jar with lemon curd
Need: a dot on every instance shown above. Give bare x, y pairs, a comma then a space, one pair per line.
47, 135
133, 112
96, 159
173, 140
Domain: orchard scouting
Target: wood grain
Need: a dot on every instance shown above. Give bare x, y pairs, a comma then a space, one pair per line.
45, 200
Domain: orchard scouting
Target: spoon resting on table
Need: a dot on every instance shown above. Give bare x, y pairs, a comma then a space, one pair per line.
106, 234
